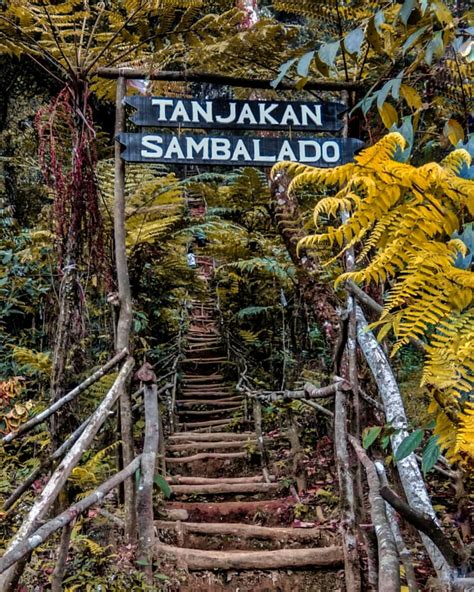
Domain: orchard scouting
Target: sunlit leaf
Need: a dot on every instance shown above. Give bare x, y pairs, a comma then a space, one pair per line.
304, 63
411, 96
389, 115
442, 12
353, 41
328, 52
282, 71
454, 131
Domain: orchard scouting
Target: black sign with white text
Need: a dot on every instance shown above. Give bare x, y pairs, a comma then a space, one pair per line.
230, 114
236, 151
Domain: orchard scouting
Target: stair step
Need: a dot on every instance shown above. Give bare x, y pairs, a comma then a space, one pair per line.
198, 394
204, 424
180, 480
204, 456
241, 530
204, 360
210, 511
197, 559
208, 402
210, 411
209, 445
214, 436
199, 378
220, 488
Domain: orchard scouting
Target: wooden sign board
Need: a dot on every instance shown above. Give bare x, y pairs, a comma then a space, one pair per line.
236, 151
230, 114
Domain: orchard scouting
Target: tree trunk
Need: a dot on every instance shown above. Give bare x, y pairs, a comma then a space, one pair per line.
318, 295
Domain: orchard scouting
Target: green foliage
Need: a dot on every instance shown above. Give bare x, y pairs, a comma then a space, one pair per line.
395, 48
369, 435
163, 485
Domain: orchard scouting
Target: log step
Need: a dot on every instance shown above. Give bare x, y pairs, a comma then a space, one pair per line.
208, 402
204, 361
209, 445
211, 437
204, 456
190, 378
197, 559
220, 488
204, 424
232, 409
246, 531
209, 511
180, 480
207, 393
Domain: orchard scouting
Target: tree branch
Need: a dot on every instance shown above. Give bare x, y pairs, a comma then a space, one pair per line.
425, 524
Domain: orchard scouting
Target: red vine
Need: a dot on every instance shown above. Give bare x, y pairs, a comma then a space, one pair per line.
68, 162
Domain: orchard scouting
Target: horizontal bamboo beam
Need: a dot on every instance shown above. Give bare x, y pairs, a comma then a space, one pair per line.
221, 79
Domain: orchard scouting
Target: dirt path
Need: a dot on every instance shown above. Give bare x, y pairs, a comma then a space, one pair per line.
224, 527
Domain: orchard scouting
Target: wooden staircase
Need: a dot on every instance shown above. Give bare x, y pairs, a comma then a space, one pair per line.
211, 531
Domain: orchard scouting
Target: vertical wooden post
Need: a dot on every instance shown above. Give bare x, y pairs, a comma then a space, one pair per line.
296, 451
125, 312
257, 414
145, 489
346, 488
352, 346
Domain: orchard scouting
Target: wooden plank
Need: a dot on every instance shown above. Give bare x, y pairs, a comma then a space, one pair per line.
234, 114
204, 424
179, 480
208, 412
236, 150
